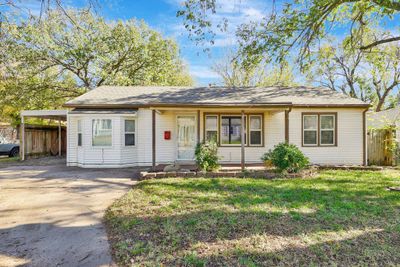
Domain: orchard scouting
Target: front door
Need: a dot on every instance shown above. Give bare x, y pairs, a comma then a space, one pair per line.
186, 137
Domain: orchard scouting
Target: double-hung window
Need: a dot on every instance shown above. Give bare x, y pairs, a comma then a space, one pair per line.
327, 130
79, 130
231, 130
319, 129
310, 130
130, 132
211, 127
255, 131
101, 132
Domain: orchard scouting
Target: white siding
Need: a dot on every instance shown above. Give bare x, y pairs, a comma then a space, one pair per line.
87, 155
349, 149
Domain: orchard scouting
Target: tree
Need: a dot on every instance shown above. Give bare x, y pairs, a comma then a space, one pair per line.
52, 58
300, 24
370, 76
259, 73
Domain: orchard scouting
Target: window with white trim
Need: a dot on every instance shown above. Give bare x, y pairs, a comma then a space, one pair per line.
310, 130
130, 132
255, 130
79, 126
211, 127
319, 129
101, 132
327, 130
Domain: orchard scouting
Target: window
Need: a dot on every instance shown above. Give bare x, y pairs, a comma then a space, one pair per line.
231, 127
310, 130
101, 132
79, 126
255, 130
327, 129
211, 128
129, 132
319, 129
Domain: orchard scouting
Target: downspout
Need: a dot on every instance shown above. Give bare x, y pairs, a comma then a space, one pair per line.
364, 138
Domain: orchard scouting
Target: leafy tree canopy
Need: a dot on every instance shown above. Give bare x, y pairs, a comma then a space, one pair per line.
46, 60
297, 24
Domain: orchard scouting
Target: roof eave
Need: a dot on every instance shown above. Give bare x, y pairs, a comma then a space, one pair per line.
153, 105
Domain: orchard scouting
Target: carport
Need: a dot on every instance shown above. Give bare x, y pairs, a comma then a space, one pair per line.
57, 115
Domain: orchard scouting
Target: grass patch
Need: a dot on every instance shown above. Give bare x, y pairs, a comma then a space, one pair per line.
336, 218
7, 159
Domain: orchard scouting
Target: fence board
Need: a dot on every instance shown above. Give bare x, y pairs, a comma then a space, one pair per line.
380, 147
44, 140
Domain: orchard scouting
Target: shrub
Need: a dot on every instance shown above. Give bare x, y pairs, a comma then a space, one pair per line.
207, 156
286, 158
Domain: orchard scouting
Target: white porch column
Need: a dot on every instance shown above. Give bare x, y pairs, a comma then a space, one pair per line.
22, 139
59, 137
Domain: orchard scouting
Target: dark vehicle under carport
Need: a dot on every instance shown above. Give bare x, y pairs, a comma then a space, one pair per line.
11, 150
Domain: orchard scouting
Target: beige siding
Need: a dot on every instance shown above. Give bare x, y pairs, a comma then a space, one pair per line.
349, 149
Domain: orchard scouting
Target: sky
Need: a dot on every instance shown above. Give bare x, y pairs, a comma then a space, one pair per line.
161, 15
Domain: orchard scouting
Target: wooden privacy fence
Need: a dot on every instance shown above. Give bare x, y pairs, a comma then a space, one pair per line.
380, 147
42, 140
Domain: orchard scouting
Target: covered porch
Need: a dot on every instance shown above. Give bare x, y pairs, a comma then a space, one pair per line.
243, 133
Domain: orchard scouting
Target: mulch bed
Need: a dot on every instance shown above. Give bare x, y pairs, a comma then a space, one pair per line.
266, 174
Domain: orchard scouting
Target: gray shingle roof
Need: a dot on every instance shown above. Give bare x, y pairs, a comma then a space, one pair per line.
383, 118
136, 96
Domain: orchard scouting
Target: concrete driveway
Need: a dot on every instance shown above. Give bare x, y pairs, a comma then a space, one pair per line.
52, 215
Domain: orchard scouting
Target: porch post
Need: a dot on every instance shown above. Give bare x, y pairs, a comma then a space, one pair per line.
153, 135
242, 141
198, 126
287, 124
59, 137
22, 139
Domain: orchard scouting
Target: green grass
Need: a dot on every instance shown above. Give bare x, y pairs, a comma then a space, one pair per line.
8, 159
337, 218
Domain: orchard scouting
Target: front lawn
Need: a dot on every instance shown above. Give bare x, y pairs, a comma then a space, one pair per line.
337, 218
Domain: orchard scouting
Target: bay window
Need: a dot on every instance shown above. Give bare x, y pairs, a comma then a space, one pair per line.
101, 132
130, 132
79, 130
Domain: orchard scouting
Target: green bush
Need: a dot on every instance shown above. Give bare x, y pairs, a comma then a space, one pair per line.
207, 156
286, 158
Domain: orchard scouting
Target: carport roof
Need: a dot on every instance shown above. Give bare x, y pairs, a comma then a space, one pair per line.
59, 114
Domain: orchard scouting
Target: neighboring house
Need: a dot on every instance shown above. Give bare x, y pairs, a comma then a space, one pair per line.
385, 119
113, 126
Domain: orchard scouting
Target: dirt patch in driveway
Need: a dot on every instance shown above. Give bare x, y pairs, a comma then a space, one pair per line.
52, 215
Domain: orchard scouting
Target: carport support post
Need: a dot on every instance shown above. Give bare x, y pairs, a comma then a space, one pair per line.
59, 138
22, 139
242, 140
153, 137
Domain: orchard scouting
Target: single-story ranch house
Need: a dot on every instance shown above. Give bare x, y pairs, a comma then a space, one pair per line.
116, 126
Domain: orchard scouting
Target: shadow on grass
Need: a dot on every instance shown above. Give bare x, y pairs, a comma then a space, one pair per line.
246, 221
